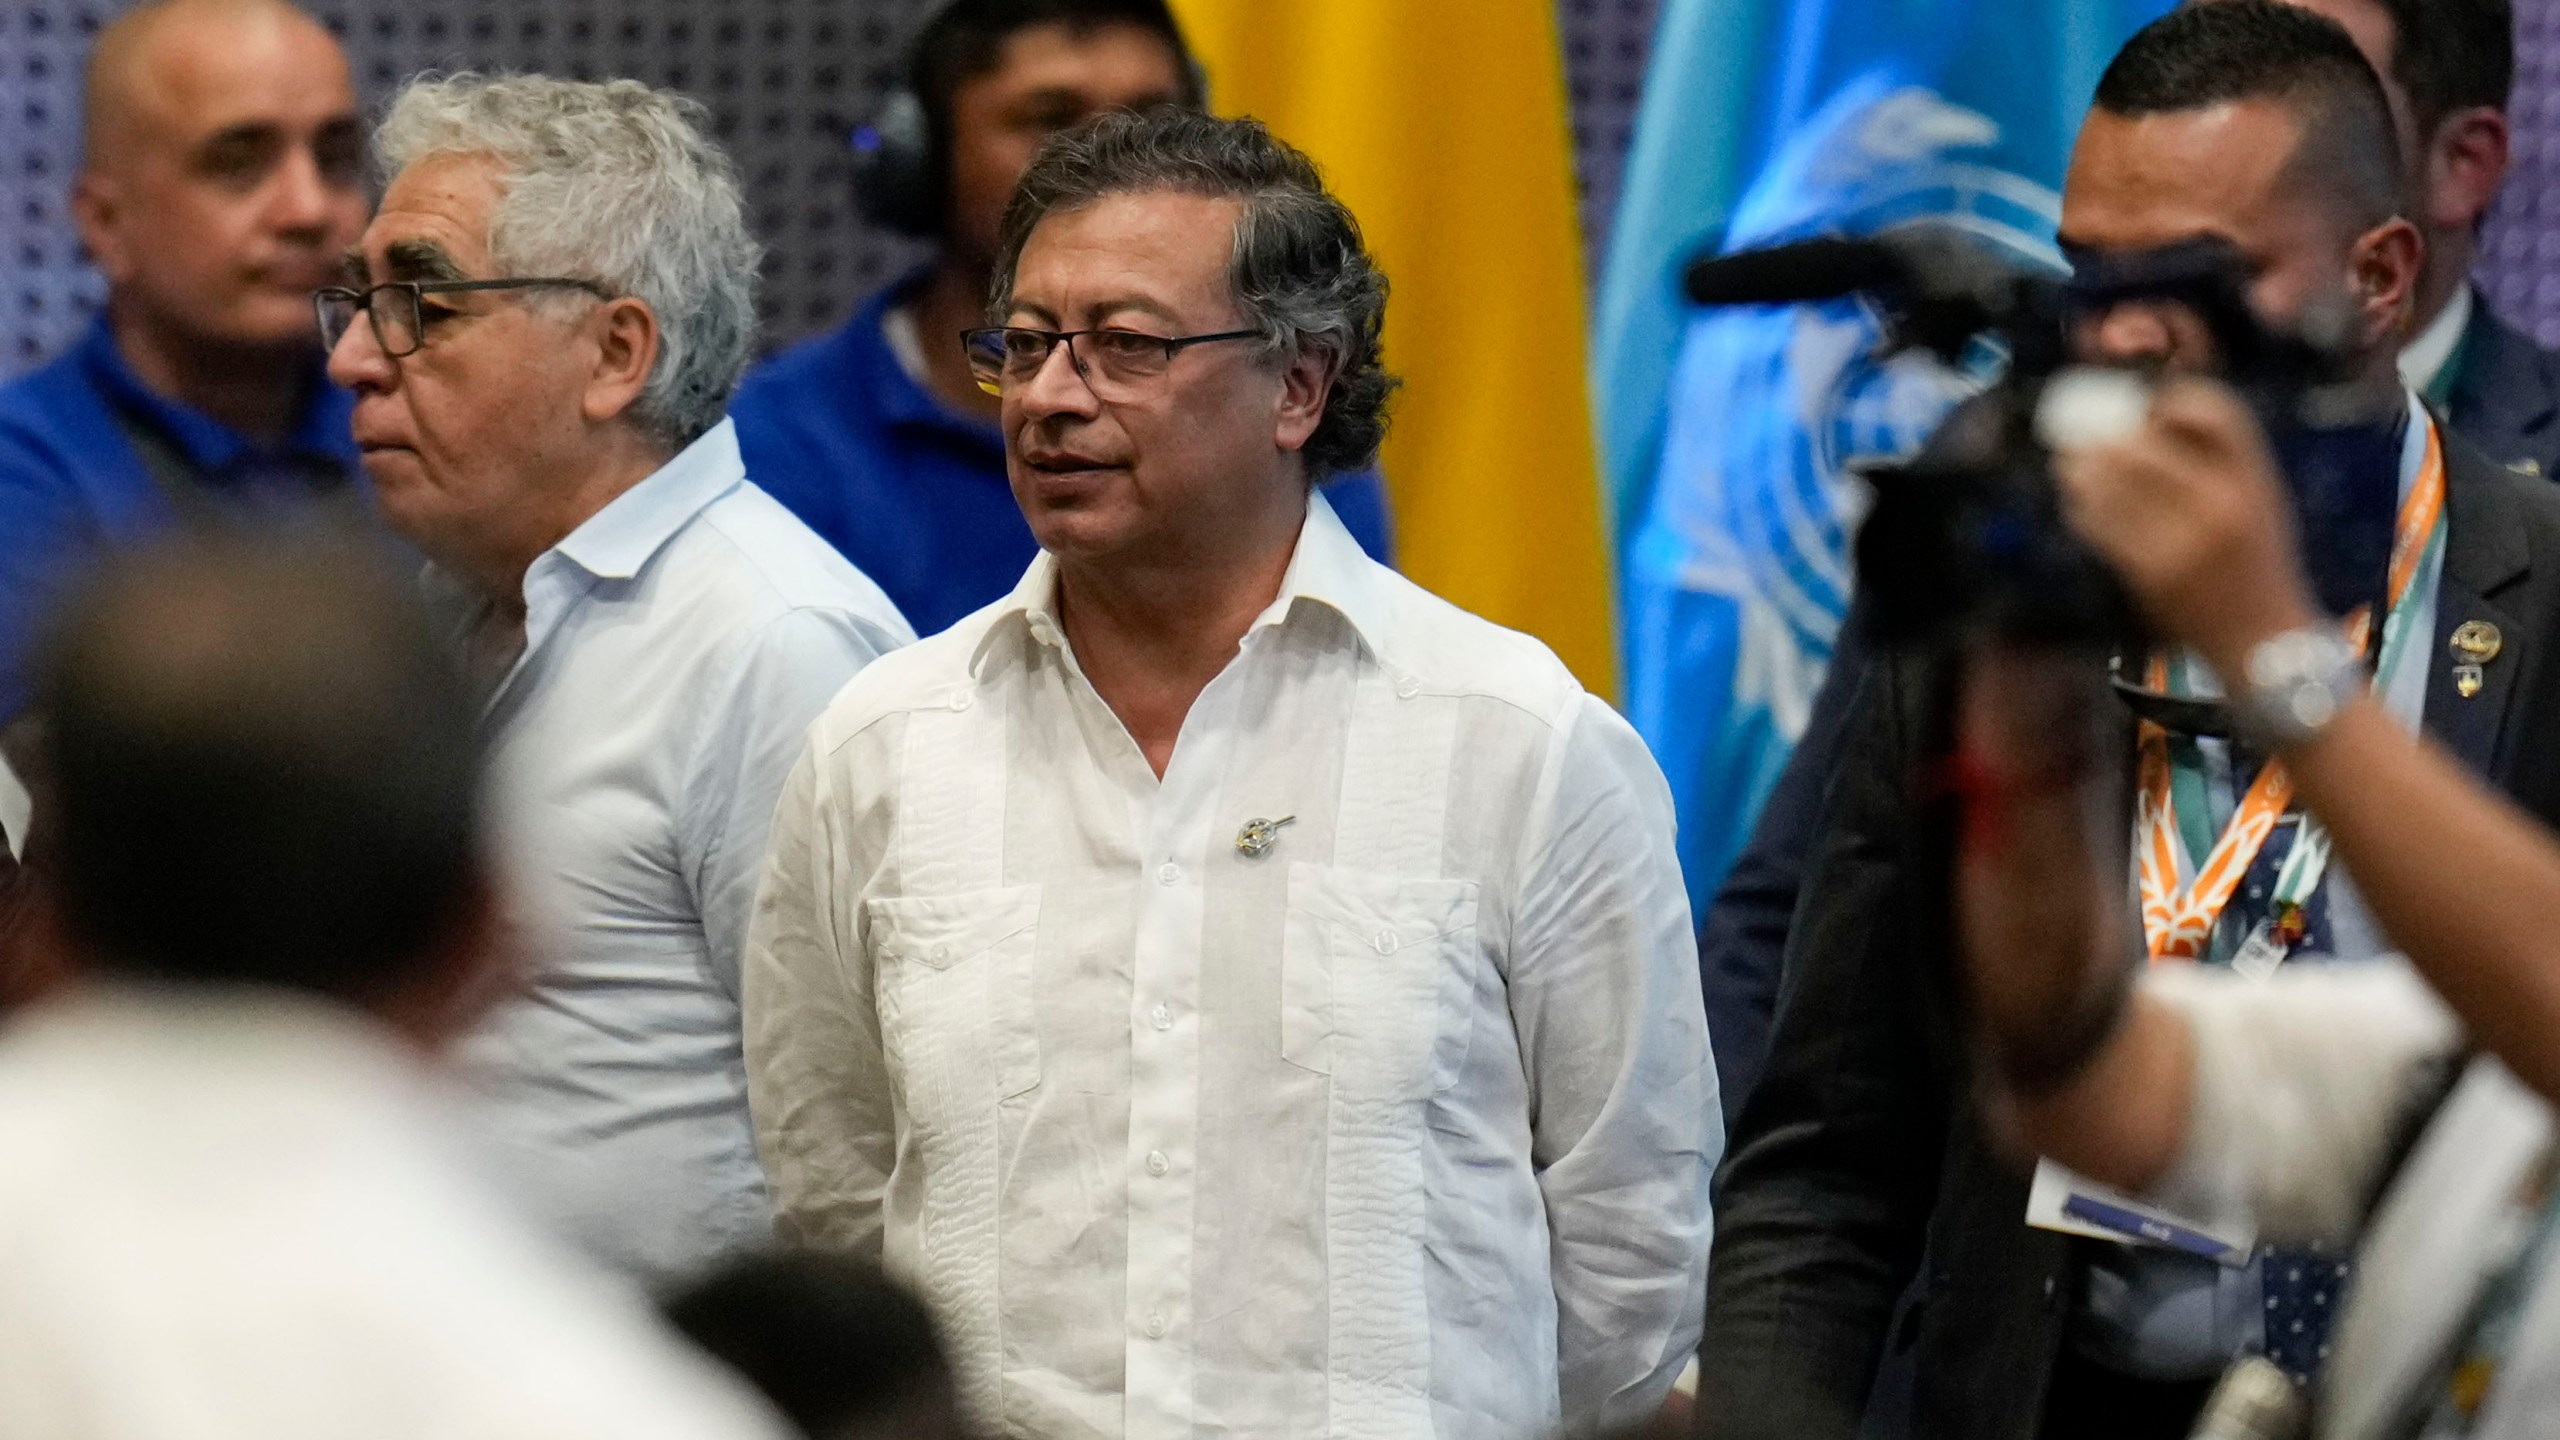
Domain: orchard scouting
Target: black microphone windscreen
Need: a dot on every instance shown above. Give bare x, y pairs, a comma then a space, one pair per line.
1808, 270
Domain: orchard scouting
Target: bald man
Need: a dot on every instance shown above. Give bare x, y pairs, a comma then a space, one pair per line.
219, 186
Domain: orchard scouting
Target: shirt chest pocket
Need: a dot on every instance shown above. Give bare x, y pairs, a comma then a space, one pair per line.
1377, 979
954, 986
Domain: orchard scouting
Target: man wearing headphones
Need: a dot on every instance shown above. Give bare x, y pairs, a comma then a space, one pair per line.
875, 434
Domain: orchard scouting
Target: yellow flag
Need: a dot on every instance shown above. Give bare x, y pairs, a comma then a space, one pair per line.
1443, 126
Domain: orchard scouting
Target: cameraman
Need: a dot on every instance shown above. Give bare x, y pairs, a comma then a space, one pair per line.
2280, 1104
1859, 1164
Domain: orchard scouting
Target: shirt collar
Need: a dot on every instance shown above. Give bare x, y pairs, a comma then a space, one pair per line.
1328, 568
2424, 358
618, 540
322, 429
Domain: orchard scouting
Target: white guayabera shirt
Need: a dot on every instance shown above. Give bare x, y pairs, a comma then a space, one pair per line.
1402, 1127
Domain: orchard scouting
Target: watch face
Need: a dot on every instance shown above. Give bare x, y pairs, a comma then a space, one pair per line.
2312, 705
2299, 682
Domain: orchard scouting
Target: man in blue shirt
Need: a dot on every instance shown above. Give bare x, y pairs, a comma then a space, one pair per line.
221, 183
875, 435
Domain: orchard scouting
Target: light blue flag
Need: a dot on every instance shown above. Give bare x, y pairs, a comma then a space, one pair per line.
1727, 435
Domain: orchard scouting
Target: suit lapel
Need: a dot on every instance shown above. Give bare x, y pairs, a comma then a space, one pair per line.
2506, 397
2484, 556
2471, 726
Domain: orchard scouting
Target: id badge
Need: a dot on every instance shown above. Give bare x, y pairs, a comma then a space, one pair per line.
2076, 1205
2261, 955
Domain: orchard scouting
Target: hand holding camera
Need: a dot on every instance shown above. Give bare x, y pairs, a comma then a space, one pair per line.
2190, 514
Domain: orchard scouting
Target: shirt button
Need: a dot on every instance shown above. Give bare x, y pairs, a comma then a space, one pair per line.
1408, 687
1156, 1163
1155, 1327
1161, 1017
960, 700
942, 954
1169, 873
1386, 942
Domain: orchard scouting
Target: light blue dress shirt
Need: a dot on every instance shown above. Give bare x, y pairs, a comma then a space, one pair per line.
676, 647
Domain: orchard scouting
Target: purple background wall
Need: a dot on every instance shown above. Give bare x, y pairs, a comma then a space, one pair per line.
2520, 259
788, 78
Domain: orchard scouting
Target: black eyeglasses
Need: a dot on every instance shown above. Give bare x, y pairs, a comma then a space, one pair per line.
400, 325
1117, 364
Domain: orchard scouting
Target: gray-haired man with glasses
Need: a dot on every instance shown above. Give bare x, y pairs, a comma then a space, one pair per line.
556, 301
1251, 996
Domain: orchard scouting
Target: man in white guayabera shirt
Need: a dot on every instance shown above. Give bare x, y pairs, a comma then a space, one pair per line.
1250, 996
556, 301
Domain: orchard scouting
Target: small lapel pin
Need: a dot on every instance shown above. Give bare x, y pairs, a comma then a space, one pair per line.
1258, 836
2475, 643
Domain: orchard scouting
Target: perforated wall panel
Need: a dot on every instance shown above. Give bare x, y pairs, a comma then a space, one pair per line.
786, 78
2520, 252
1605, 45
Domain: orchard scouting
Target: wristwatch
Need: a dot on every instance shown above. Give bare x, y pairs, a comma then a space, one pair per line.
2296, 684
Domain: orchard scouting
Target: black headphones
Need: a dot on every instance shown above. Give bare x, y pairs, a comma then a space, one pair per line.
897, 178
898, 169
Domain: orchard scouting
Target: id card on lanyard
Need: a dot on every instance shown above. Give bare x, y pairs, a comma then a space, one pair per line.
2184, 894
2183, 898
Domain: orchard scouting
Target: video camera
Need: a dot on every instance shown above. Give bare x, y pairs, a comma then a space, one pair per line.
1968, 538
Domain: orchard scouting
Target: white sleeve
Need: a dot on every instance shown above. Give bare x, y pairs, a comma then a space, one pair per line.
1625, 1130
817, 1077
2304, 1082
782, 681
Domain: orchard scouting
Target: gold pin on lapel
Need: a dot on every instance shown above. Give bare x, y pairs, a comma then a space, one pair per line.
2475, 643
2478, 641
1258, 836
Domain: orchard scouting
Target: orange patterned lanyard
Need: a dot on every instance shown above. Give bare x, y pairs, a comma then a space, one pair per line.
2178, 923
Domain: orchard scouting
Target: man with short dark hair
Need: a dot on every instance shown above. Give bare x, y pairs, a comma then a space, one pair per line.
1859, 1163
2447, 66
234, 1203
1245, 993
221, 176
877, 435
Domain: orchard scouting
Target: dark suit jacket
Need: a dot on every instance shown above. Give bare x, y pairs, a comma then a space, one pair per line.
2506, 401
2507, 398
1858, 1164
1745, 930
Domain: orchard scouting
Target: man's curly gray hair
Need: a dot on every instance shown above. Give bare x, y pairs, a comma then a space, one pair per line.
1298, 268
613, 182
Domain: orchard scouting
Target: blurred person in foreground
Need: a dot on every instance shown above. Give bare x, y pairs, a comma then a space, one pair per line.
235, 1202
1858, 1169
843, 1351
2287, 1104
556, 300
877, 434
220, 179
1245, 994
